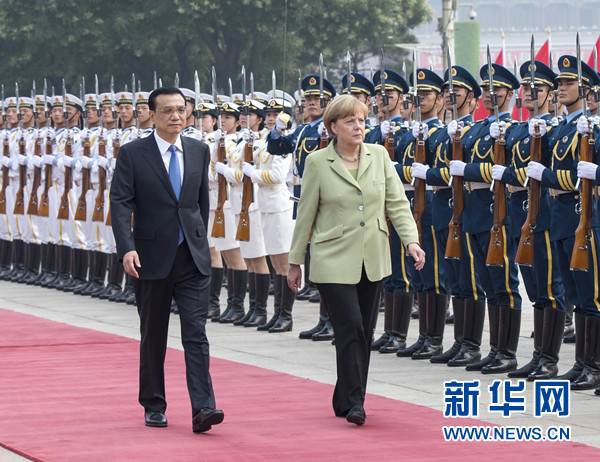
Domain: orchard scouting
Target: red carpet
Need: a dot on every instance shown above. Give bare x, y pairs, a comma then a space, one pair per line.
70, 394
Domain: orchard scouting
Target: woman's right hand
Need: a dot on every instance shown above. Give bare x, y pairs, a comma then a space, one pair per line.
294, 277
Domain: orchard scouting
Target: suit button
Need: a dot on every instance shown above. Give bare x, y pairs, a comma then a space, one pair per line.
176, 229
360, 207
359, 193
362, 223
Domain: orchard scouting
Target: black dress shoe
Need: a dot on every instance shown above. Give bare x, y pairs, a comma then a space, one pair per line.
205, 418
356, 415
155, 419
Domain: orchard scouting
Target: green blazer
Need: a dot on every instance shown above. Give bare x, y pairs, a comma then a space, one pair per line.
347, 216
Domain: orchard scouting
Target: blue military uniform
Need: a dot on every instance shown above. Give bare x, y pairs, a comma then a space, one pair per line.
359, 84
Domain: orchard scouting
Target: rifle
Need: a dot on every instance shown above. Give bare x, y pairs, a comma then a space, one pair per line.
98, 214
385, 98
5, 153
32, 206
44, 208
453, 243
580, 258
81, 212
324, 141
243, 230
495, 255
525, 250
19, 208
419, 198
117, 142
219, 223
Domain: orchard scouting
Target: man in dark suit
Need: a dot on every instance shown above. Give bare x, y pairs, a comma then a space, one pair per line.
162, 180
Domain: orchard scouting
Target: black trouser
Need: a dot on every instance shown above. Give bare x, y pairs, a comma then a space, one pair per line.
353, 312
190, 290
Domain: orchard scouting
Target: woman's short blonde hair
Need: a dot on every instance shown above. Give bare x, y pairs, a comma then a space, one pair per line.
341, 107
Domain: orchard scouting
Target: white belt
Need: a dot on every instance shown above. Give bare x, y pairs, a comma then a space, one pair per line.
471, 185
437, 188
409, 187
514, 189
559, 192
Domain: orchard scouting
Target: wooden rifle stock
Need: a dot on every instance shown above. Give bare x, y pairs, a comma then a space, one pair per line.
243, 230
63, 209
19, 208
116, 147
219, 223
32, 207
453, 244
6, 153
81, 212
98, 214
44, 207
580, 259
525, 250
324, 141
419, 199
389, 145
495, 255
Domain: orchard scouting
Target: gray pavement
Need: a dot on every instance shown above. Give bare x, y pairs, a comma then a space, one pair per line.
418, 382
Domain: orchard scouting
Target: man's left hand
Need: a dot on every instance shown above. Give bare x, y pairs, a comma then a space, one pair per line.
131, 261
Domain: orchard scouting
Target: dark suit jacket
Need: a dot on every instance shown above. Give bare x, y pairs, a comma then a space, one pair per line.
141, 186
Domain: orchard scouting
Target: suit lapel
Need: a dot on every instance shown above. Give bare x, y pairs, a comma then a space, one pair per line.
154, 159
338, 166
365, 161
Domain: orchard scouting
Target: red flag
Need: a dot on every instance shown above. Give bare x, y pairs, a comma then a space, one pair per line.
591, 58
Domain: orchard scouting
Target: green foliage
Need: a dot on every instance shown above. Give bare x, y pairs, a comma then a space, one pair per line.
68, 39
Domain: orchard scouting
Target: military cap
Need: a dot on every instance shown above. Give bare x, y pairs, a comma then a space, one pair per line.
222, 99
567, 65
256, 107
260, 97
462, 78
230, 108
56, 101
427, 80
358, 84
39, 100
206, 98
24, 101
278, 104
393, 81
237, 98
73, 101
10, 102
207, 107
90, 99
141, 97
543, 74
189, 95
310, 86
501, 75
106, 99
124, 97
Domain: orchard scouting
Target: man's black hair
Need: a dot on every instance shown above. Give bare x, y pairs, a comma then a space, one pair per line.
162, 91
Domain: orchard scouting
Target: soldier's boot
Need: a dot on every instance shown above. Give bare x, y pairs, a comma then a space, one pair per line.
46, 261
214, 292
229, 297
64, 285
79, 270
278, 281
115, 279
494, 320
64, 268
388, 308
569, 330
590, 376
422, 308
53, 255
88, 276
577, 368
240, 284
458, 308
5, 257
18, 261
97, 274
553, 328
470, 350
259, 314
284, 322
400, 320
538, 329
126, 292
25, 273
251, 300
32, 263
508, 340
323, 319
437, 307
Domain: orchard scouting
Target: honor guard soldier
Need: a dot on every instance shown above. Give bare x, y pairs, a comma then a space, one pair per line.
543, 285
190, 122
421, 144
566, 144
466, 291
145, 126
125, 107
301, 143
500, 283
362, 89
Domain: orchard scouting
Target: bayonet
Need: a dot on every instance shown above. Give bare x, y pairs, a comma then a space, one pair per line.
82, 98
349, 72
3, 113
46, 111
374, 107
133, 95
35, 116
18, 106
385, 99
112, 97
416, 98
230, 89
197, 97
65, 114
321, 96
244, 107
451, 85
493, 95
214, 95
300, 105
596, 99
251, 85
177, 79
155, 81
273, 84
532, 76
98, 111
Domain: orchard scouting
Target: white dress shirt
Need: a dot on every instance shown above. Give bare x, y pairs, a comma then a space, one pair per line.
163, 148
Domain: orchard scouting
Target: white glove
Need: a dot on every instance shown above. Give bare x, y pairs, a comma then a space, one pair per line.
220, 168
113, 164
60, 163
246, 134
541, 123
555, 121
134, 135
583, 126
321, 129
385, 127
452, 128
419, 170
6, 161
50, 133
457, 168
86, 162
416, 129
94, 168
248, 169
496, 128
77, 167
48, 159
498, 171
22, 159
37, 161
595, 119
280, 124
71, 161
35, 133
219, 135
587, 170
30, 163
102, 162
84, 134
535, 170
